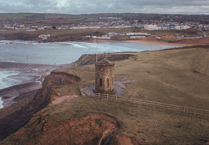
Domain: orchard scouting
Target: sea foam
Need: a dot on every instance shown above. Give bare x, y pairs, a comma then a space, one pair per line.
1, 103
6, 81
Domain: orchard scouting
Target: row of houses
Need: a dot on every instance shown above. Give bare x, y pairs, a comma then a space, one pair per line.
96, 37
108, 38
111, 34
169, 27
27, 28
86, 27
97, 27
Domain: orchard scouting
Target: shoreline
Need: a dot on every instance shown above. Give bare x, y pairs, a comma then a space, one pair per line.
14, 94
140, 41
33, 74
44, 69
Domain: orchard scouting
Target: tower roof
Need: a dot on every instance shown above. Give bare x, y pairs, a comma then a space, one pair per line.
105, 62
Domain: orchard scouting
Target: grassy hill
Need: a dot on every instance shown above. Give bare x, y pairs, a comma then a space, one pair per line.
167, 76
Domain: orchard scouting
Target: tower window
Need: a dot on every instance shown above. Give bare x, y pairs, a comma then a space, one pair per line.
108, 82
100, 82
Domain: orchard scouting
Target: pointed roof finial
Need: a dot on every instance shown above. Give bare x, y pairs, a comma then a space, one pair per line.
104, 62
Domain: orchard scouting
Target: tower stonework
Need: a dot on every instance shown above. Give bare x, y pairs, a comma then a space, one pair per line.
104, 76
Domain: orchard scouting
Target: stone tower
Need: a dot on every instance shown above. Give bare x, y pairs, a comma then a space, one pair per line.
104, 76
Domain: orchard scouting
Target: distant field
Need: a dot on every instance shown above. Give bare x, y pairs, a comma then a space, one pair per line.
14, 16
33, 18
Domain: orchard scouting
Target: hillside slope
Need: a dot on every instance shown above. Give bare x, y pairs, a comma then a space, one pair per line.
167, 76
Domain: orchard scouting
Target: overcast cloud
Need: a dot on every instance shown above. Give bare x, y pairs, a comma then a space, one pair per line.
106, 6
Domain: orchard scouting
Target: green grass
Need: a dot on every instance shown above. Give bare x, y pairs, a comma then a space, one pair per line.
187, 32
71, 31
163, 76
135, 121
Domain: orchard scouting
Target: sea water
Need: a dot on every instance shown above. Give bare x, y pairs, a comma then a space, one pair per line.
64, 52
1, 103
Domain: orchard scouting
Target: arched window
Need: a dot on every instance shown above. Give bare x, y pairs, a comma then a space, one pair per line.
100, 82
108, 82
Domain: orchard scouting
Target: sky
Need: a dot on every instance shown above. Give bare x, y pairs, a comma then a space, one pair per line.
105, 6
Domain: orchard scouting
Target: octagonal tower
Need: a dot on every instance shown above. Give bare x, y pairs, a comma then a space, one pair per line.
104, 76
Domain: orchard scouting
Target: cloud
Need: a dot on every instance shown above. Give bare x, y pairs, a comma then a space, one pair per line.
106, 6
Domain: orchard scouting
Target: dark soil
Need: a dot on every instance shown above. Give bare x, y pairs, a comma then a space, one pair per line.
17, 88
20, 36
30, 94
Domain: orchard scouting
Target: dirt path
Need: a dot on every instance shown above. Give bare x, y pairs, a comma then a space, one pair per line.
63, 98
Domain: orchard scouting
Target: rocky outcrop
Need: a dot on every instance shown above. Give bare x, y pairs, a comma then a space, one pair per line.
16, 120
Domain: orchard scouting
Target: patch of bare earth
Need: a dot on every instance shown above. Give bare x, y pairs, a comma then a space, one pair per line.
63, 98
86, 130
123, 140
22, 132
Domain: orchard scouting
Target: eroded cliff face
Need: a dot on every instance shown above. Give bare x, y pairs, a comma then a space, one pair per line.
89, 130
16, 120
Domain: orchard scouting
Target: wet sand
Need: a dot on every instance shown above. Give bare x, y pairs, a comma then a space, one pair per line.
16, 93
31, 77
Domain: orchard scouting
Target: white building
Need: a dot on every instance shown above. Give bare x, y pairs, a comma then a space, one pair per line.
150, 27
87, 36
103, 37
21, 26
110, 34
178, 27
133, 33
44, 36
185, 27
130, 33
135, 37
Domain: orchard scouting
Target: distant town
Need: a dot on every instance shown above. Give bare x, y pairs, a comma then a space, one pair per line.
112, 26
155, 25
